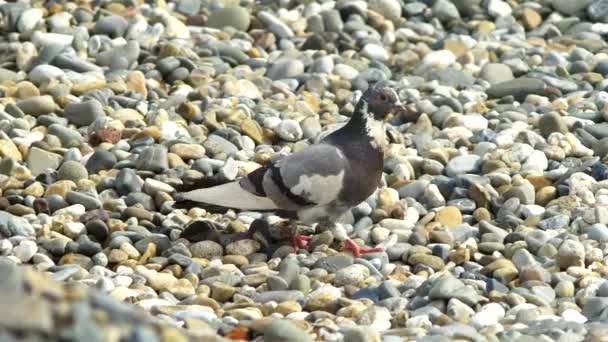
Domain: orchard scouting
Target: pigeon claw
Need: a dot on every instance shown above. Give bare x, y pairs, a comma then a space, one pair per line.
357, 250
300, 241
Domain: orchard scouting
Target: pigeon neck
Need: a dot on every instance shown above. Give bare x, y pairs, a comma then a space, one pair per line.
361, 118
364, 125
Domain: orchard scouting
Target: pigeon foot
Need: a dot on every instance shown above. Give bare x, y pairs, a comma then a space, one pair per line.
357, 251
300, 241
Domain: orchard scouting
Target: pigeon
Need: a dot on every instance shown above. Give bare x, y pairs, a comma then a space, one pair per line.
322, 182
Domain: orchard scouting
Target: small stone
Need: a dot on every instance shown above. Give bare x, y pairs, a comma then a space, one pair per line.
351, 275
83, 113
284, 330
25, 250
490, 314
99, 229
565, 289
234, 16
288, 307
531, 18
111, 25
498, 8
206, 249
496, 73
9, 150
243, 247
73, 171
117, 256
518, 88
275, 25
188, 151
285, 68
525, 193
35, 189
37, 105
290, 130
153, 159
362, 334
598, 11
222, 292
390, 9
39, 160
463, 164
375, 52
100, 160
570, 253
243, 88
445, 11
550, 123
440, 58
334, 263
431, 261
449, 216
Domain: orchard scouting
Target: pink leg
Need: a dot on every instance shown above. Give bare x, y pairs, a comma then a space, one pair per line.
300, 241
357, 251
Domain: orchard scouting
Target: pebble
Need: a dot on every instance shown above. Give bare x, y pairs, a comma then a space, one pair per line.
496, 73
72, 170
233, 16
83, 113
491, 208
39, 160
287, 68
37, 105
462, 165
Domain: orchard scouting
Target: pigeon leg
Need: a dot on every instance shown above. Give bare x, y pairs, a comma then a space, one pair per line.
300, 241
357, 251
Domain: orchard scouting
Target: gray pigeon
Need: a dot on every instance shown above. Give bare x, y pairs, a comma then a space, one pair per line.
322, 182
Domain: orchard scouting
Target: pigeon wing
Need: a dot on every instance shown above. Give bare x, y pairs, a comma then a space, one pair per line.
314, 176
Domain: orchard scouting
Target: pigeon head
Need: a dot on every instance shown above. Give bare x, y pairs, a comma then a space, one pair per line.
381, 101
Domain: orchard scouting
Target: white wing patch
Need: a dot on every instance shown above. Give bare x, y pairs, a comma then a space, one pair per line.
319, 189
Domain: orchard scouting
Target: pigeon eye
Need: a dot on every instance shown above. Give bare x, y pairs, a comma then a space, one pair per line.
383, 98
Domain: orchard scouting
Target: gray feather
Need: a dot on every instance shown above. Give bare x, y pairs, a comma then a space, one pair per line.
229, 195
315, 174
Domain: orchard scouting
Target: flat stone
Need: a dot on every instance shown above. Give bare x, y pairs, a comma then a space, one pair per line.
72, 170
275, 25
449, 216
37, 105
9, 150
38, 160
83, 113
237, 17
463, 164
496, 73
27, 314
283, 330
153, 159
571, 253
550, 123
518, 88
285, 68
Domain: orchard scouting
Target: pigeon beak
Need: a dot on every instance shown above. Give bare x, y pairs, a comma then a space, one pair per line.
398, 107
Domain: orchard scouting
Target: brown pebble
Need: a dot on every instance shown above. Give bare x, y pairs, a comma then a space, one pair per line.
41, 206
4, 203
108, 135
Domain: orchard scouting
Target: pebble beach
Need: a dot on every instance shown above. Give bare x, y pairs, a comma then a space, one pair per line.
493, 208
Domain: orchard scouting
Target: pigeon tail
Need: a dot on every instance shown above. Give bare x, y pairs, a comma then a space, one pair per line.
229, 195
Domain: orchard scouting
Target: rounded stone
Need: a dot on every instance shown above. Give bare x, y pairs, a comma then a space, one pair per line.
237, 17
73, 171
449, 216
206, 249
550, 123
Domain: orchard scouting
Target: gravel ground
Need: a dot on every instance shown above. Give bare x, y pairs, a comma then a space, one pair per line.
493, 207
